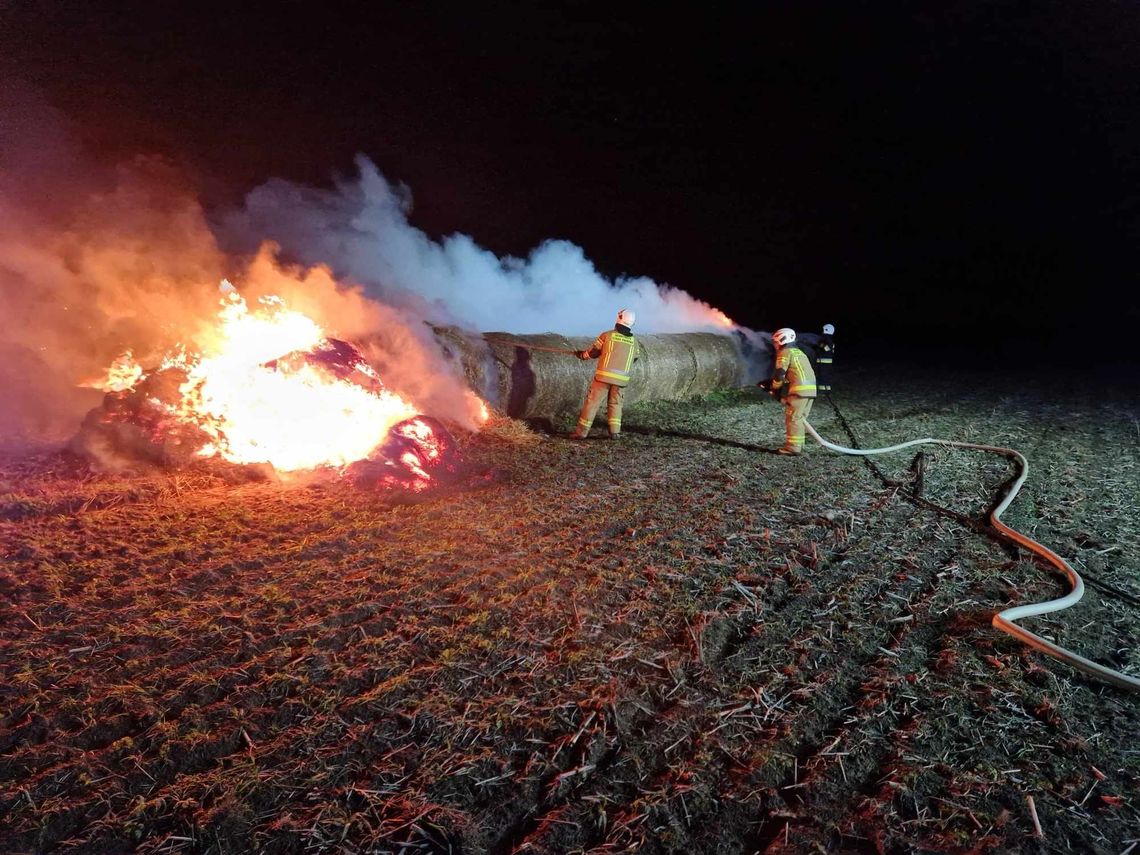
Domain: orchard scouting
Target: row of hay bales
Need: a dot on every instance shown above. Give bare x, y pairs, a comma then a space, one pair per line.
525, 376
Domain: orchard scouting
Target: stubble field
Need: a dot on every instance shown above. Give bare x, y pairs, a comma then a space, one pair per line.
679, 642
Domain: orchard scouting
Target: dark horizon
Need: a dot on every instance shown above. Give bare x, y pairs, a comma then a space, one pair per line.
959, 180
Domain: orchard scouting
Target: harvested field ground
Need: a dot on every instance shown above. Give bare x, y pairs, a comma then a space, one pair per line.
679, 642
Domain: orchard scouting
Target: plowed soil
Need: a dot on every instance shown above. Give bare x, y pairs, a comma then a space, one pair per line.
677, 642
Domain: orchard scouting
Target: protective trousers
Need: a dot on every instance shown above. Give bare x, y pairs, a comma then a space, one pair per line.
594, 396
796, 411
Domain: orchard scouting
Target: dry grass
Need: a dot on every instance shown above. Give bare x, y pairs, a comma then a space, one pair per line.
678, 643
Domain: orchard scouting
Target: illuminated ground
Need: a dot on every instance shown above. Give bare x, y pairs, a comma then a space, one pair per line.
672, 643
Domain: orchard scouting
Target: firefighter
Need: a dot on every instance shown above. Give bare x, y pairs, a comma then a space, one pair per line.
616, 351
825, 356
793, 384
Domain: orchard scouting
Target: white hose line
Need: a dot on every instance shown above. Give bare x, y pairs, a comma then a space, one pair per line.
1005, 620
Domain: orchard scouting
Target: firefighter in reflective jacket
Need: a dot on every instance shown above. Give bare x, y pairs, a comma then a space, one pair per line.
825, 356
793, 384
616, 351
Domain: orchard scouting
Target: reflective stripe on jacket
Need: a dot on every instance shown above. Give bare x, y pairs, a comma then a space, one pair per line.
794, 374
616, 354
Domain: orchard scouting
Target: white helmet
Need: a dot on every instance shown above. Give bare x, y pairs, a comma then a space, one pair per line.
626, 318
784, 337
829, 329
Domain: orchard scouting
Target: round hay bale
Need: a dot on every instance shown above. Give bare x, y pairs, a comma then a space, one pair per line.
538, 376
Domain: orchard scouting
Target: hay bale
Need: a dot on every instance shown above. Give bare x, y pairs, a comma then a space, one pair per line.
520, 375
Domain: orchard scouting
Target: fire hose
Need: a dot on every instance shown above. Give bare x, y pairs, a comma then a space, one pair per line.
1005, 620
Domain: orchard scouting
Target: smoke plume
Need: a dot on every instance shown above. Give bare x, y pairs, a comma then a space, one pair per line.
361, 228
92, 260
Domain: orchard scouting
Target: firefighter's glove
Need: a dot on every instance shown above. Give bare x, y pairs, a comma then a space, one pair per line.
583, 354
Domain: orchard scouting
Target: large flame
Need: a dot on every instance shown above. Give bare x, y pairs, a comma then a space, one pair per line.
257, 405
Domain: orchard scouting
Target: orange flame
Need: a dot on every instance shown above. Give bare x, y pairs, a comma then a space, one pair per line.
256, 407
123, 374
722, 319
481, 410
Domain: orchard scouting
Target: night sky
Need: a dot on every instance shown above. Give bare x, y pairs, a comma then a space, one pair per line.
919, 174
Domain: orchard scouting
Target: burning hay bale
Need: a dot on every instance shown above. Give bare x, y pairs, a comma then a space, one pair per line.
271, 395
139, 427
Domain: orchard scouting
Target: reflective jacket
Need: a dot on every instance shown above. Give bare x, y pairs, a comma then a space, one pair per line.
826, 356
794, 374
825, 349
616, 352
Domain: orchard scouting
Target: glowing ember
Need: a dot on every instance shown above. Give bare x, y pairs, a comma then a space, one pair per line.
267, 386
418, 454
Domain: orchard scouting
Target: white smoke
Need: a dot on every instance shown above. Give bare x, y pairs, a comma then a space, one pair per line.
361, 229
